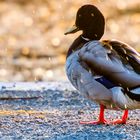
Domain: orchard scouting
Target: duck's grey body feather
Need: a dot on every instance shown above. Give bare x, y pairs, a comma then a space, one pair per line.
93, 61
107, 72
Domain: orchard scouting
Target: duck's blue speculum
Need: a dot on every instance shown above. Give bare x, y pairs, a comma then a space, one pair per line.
107, 83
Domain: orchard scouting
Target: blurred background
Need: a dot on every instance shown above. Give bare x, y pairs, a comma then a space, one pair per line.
32, 42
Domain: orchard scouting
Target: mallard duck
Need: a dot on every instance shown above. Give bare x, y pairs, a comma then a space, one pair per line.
108, 71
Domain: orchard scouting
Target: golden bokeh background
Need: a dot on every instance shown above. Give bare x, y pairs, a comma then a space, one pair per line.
32, 42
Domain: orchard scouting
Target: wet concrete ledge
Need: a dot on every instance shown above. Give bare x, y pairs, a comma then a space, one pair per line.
52, 111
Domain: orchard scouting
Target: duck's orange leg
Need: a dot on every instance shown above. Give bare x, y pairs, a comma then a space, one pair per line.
101, 118
123, 120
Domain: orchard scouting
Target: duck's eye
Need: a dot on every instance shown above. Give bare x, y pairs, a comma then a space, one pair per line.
92, 14
79, 15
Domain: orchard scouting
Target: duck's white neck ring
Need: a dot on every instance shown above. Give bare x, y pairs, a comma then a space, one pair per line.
86, 39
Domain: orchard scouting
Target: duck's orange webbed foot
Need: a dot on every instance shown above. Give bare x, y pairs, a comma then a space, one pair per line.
101, 118
123, 120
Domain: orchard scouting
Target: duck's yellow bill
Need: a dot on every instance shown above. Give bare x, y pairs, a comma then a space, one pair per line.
71, 30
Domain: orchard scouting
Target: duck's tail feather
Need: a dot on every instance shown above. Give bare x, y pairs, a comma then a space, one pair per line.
133, 93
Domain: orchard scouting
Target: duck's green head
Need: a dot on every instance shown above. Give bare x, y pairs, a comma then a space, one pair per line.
91, 21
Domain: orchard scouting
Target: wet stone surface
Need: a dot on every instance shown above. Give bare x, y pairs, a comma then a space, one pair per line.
54, 112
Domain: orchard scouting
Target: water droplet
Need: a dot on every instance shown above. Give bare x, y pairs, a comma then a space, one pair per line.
49, 73
55, 41
50, 59
35, 78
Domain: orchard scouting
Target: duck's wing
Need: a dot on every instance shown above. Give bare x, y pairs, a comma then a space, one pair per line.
127, 54
114, 60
